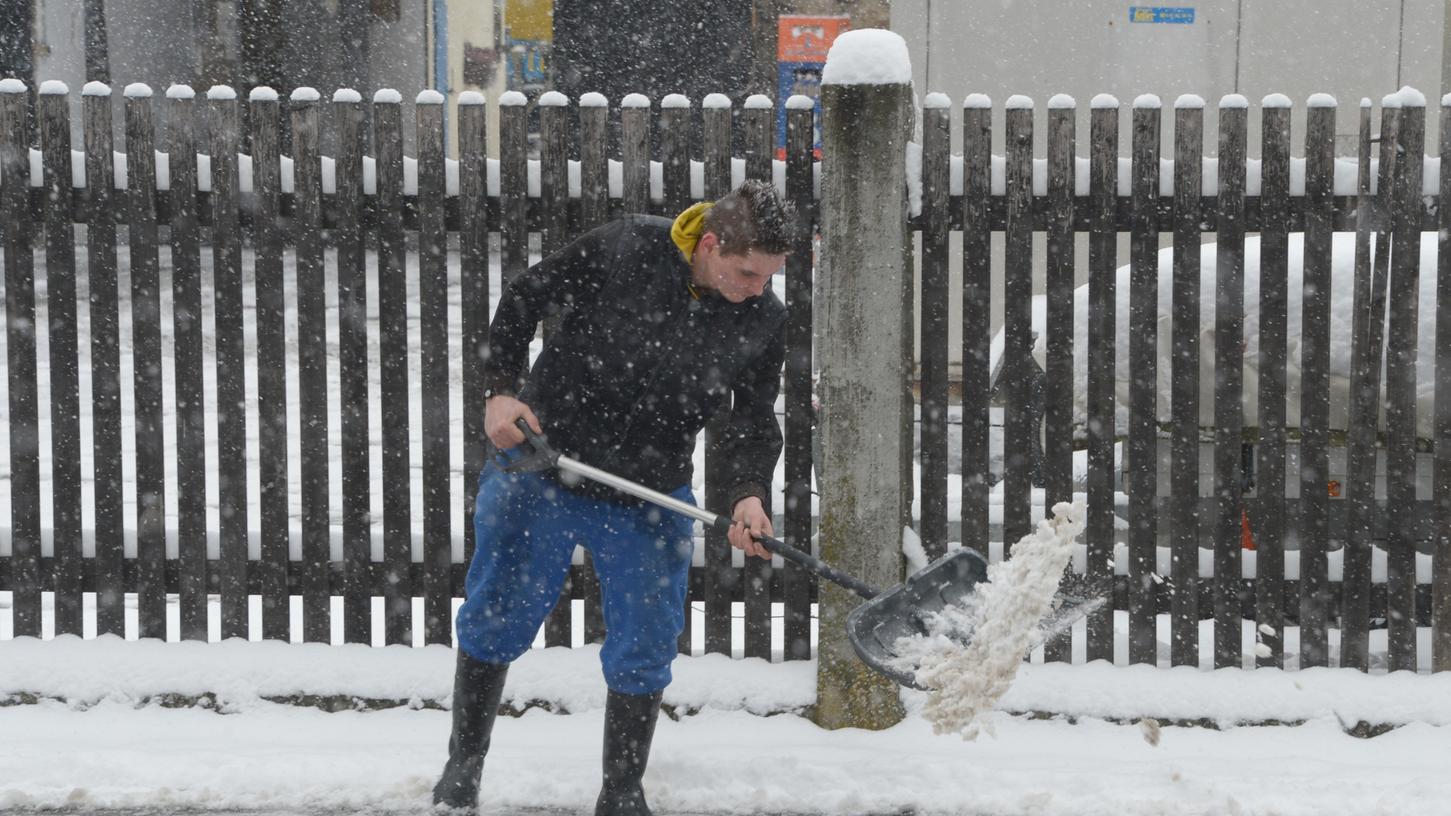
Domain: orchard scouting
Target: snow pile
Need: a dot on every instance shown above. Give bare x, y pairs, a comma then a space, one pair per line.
869, 56
966, 681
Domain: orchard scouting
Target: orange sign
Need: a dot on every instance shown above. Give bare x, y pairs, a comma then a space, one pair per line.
807, 39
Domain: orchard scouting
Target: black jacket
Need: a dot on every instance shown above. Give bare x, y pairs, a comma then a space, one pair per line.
638, 363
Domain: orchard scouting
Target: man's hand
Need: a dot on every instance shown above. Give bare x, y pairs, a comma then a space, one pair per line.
750, 517
499, 414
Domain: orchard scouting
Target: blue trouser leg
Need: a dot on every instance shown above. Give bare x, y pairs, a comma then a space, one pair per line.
526, 528
643, 562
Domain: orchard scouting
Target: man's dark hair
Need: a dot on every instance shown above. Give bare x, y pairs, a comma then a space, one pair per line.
753, 216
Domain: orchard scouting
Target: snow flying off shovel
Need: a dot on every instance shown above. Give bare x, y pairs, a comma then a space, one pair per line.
875, 627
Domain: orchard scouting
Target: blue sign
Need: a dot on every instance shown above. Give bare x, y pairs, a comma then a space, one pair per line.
1161, 14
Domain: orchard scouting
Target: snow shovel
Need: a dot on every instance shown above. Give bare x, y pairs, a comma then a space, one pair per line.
875, 627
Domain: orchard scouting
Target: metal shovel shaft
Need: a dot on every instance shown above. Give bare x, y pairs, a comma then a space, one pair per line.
720, 524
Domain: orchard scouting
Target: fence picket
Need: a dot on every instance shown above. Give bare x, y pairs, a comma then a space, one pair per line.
594, 188
394, 364
433, 372
936, 189
1142, 452
104, 329
1229, 382
1363, 419
1059, 280
65, 396
1441, 478
1268, 518
553, 173
187, 363
146, 365
513, 185
722, 580
1314, 386
230, 363
796, 582
1184, 388
352, 321
676, 115
635, 152
1400, 382
264, 116
21, 367
312, 369
474, 294
1102, 260
758, 124
977, 117
1015, 384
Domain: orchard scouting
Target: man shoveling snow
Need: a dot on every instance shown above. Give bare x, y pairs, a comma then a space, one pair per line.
971, 650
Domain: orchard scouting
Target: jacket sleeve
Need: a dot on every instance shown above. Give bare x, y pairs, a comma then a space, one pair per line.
752, 440
572, 275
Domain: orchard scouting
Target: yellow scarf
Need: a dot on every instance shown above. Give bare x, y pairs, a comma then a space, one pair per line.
685, 232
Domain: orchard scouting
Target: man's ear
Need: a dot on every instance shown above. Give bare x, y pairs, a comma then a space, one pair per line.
707, 242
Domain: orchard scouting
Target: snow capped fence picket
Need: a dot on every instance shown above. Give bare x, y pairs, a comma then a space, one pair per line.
244, 424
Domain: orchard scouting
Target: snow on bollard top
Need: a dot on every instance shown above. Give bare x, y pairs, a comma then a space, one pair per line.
1189, 102
1321, 100
868, 56
53, 87
977, 101
471, 98
346, 96
934, 101
800, 102
1002, 617
1018, 102
137, 90
1104, 100
96, 89
1061, 102
635, 100
304, 94
758, 102
1233, 101
1275, 100
1406, 97
1147, 102
593, 99
262, 93
716, 101
387, 96
429, 96
553, 99
12, 85
226, 93
1445, 102
178, 91
512, 99
675, 101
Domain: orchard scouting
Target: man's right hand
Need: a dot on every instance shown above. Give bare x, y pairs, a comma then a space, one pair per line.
499, 414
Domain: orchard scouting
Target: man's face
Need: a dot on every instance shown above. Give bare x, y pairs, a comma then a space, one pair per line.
736, 277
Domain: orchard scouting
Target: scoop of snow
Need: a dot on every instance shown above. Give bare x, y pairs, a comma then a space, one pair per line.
868, 56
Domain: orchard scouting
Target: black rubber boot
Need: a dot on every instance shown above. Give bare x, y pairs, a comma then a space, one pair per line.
477, 688
629, 727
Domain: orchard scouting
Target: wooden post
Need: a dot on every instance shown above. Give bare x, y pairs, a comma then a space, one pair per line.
635, 152
977, 141
936, 187
594, 183
721, 577
1441, 555
1015, 380
1143, 444
513, 184
865, 128
1184, 388
473, 207
797, 582
1102, 272
1058, 384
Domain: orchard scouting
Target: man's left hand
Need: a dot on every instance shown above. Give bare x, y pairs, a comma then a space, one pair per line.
749, 520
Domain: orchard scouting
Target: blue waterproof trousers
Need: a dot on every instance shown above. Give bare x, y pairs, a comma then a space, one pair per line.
526, 528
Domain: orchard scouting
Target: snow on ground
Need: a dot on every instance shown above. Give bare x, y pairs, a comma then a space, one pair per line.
112, 741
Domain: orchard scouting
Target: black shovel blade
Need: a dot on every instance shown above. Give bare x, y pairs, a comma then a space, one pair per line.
904, 610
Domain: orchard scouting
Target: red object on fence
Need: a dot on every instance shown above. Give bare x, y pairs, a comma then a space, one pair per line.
1246, 534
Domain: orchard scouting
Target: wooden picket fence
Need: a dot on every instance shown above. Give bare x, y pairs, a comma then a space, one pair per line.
381, 203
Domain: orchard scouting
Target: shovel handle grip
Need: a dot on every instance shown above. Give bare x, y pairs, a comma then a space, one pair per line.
804, 559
